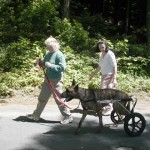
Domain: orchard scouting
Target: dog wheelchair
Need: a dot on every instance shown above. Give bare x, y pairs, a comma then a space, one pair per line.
134, 123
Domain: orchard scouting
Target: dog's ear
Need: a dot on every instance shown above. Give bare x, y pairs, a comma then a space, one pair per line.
76, 87
73, 82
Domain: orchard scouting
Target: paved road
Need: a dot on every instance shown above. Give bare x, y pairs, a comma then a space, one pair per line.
19, 133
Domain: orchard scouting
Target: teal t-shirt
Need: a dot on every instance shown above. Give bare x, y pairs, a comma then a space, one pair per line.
58, 64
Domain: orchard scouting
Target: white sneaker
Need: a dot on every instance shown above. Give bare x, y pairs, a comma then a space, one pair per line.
107, 111
32, 117
67, 119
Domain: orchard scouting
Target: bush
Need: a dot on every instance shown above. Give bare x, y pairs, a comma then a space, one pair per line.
130, 83
134, 65
73, 34
32, 20
18, 55
79, 67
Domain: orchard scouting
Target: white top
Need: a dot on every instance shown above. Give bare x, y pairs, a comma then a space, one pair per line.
107, 63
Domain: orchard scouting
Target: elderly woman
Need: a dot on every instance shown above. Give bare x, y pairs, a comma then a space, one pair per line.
55, 64
108, 68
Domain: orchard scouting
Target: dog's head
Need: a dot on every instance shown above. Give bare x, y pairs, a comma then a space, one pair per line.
71, 92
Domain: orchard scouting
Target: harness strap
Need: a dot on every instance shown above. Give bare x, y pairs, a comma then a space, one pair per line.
95, 97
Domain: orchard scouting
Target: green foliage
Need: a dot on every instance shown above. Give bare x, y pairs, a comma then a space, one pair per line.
18, 55
130, 83
139, 50
97, 25
32, 20
20, 79
5, 90
122, 47
72, 34
24, 27
79, 67
134, 65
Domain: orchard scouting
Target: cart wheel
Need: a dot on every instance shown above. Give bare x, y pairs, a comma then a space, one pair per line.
116, 117
134, 124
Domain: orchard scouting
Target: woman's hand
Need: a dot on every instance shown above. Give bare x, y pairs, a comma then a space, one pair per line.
47, 64
38, 62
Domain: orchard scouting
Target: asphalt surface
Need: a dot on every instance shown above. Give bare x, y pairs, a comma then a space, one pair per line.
19, 133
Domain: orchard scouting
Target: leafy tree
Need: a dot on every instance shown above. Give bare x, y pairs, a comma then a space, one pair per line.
30, 19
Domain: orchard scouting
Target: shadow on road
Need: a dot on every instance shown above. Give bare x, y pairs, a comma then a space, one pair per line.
63, 137
41, 120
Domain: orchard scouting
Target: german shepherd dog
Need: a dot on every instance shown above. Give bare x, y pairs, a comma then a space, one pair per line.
90, 100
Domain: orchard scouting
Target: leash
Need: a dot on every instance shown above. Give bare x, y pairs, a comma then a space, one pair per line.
52, 88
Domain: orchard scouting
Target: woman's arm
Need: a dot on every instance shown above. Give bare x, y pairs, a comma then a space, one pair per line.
94, 72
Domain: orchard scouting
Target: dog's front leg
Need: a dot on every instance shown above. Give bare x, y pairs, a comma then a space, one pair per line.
81, 121
99, 112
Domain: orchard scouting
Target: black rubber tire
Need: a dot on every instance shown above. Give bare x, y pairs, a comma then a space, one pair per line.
134, 124
115, 118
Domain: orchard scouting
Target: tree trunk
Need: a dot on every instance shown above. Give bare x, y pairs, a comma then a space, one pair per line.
127, 17
148, 24
66, 8
116, 11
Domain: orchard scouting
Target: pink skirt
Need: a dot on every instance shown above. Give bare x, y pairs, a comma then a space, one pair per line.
105, 79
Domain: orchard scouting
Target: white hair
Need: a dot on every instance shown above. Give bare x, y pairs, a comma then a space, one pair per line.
52, 42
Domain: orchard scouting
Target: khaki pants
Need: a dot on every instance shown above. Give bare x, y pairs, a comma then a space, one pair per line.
45, 94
